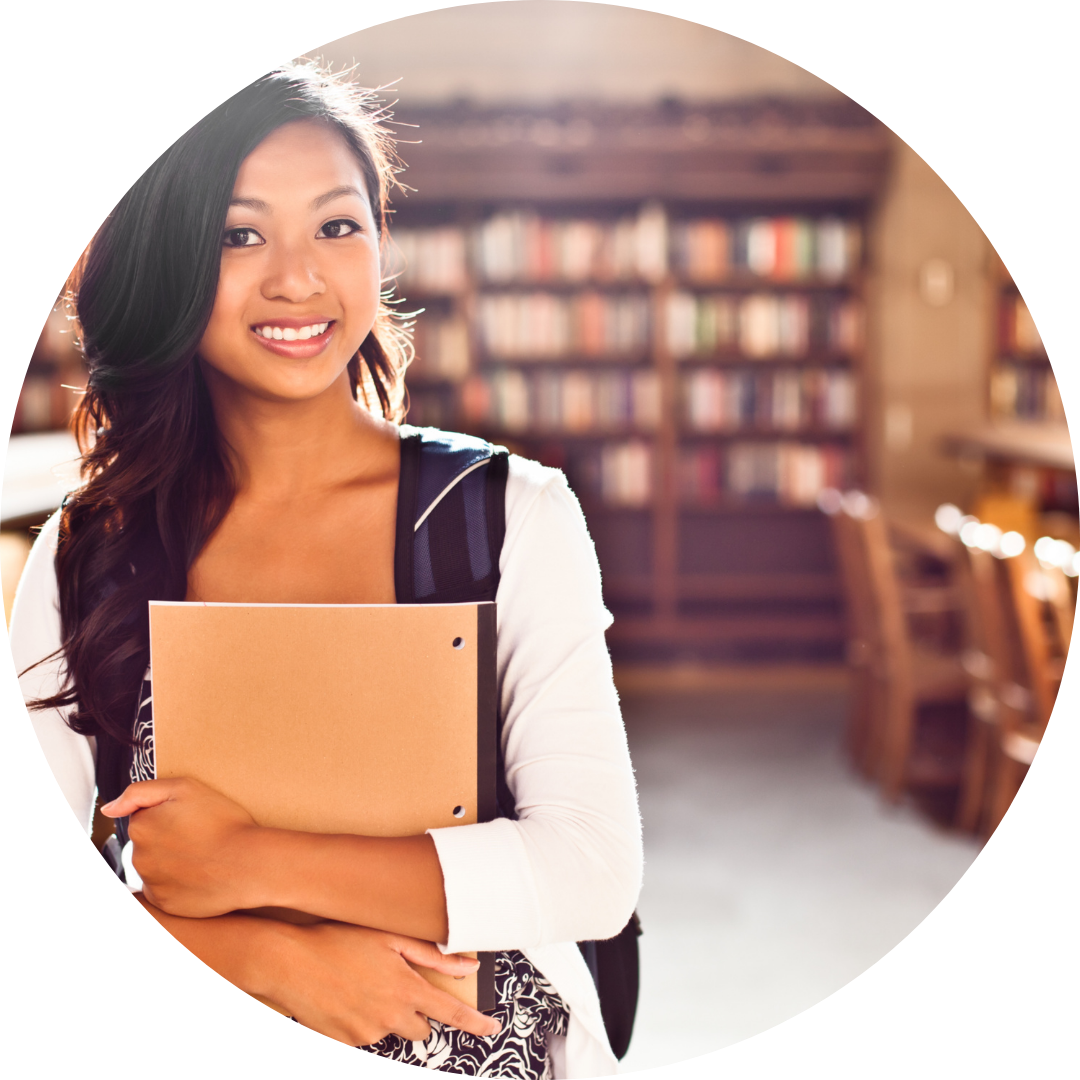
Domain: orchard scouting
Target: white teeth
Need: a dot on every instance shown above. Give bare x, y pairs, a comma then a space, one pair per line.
277, 333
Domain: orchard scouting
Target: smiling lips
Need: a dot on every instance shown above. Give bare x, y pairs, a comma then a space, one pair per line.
296, 342
292, 333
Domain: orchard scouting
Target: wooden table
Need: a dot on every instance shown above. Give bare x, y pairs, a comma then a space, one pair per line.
1044, 445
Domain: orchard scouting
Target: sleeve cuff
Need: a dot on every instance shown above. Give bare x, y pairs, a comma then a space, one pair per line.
490, 896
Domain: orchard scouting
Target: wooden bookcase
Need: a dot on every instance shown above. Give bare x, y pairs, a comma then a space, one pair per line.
1028, 477
692, 569
1021, 384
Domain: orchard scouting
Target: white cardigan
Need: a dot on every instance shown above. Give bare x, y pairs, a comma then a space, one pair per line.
569, 869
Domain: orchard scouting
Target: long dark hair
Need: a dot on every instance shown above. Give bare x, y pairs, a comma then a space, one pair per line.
156, 479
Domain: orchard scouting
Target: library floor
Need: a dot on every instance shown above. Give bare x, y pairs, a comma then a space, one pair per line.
774, 875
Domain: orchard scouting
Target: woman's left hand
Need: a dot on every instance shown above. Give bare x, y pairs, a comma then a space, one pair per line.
192, 846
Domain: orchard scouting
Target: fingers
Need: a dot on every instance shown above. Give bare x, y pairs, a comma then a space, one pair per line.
141, 796
437, 1004
425, 954
449, 1011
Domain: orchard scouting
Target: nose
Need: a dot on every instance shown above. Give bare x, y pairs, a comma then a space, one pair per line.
292, 275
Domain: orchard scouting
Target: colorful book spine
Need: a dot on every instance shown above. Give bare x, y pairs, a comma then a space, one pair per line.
787, 473
1025, 391
517, 246
545, 326
763, 325
717, 400
573, 402
525, 247
429, 260
626, 474
777, 249
441, 346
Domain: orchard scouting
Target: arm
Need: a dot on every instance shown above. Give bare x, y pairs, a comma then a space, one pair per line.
199, 854
282, 869
348, 982
569, 869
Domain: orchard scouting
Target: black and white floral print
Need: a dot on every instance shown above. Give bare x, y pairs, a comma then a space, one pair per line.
529, 1010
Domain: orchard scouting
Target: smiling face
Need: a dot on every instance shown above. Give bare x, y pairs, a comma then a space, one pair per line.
299, 284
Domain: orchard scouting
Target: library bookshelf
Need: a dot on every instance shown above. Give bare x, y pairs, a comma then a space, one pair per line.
1028, 475
1021, 383
667, 303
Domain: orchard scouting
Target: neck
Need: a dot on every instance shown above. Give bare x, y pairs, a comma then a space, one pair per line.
287, 449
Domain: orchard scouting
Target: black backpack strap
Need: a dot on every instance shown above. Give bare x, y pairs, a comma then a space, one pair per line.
451, 518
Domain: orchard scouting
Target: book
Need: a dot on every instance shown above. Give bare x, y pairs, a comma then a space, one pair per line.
763, 325
371, 720
570, 401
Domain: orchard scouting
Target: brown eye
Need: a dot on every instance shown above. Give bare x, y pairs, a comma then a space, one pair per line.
337, 228
241, 238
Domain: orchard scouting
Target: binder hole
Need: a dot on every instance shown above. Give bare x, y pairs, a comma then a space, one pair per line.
459, 643
459, 811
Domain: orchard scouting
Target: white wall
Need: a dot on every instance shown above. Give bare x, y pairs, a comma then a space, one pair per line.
544, 50
928, 360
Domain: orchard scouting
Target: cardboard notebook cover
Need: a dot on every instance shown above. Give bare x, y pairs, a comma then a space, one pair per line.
376, 720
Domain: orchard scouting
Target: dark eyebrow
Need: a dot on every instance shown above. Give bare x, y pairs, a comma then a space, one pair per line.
252, 204
261, 207
336, 193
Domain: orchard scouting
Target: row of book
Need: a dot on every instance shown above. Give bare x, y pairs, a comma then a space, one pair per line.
543, 325
441, 346
789, 473
582, 401
1018, 333
626, 473
623, 473
430, 260
522, 246
780, 248
726, 400
763, 325
574, 402
1025, 392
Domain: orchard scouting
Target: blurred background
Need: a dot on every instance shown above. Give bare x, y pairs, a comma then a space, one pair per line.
816, 437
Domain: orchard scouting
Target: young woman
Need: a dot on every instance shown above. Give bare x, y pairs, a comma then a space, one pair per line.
241, 443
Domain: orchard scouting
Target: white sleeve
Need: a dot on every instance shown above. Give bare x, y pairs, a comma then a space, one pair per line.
35, 643
569, 869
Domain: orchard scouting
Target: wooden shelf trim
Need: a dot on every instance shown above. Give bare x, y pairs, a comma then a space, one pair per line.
687, 630
778, 586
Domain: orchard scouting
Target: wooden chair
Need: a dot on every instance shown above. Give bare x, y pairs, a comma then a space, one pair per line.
895, 678
989, 661
1036, 605
863, 647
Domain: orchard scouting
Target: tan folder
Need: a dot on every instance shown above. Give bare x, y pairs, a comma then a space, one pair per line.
375, 720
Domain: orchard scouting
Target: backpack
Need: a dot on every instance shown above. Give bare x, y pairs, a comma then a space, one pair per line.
452, 496
451, 506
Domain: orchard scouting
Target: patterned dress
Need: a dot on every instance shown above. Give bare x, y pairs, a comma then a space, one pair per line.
525, 1002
